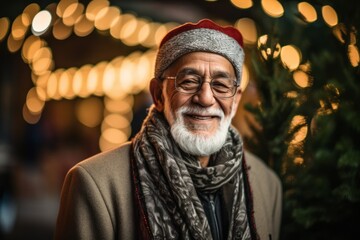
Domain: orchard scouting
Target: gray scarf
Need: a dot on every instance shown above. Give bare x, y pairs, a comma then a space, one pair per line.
167, 179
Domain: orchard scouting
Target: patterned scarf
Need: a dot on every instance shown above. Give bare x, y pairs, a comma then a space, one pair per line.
167, 179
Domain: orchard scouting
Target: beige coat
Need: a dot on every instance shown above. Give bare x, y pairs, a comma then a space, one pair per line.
97, 199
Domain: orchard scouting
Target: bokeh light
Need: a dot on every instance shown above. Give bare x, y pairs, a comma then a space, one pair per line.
273, 8
307, 11
4, 27
353, 53
330, 16
290, 57
301, 78
89, 111
299, 122
242, 4
41, 22
248, 30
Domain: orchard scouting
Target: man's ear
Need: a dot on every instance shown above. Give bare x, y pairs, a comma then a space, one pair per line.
237, 97
157, 94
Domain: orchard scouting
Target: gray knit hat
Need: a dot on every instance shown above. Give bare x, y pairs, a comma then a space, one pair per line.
204, 36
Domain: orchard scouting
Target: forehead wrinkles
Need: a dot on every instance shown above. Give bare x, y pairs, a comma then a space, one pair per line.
203, 63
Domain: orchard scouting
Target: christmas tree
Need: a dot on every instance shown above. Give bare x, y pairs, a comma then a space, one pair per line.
310, 117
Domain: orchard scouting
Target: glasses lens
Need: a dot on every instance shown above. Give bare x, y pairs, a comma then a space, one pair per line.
191, 83
223, 87
187, 83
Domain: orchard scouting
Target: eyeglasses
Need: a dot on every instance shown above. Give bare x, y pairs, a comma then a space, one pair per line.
190, 83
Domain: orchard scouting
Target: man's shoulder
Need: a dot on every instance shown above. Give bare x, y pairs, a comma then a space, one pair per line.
117, 159
259, 171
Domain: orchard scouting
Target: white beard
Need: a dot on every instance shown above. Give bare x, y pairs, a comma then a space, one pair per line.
195, 143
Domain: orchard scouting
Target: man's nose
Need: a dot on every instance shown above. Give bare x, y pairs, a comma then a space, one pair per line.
204, 96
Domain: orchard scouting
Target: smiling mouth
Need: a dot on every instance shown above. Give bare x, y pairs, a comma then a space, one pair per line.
201, 117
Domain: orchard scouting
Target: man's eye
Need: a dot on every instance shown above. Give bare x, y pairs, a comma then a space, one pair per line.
188, 81
221, 85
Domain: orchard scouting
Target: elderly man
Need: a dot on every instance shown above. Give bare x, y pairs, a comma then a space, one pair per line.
185, 175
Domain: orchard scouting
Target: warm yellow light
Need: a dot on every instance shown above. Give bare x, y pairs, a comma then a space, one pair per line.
243, 4
301, 78
70, 73
307, 11
290, 57
114, 136
60, 30
72, 13
80, 81
41, 80
121, 105
109, 78
52, 85
248, 29
94, 7
266, 49
298, 161
105, 17
90, 111
292, 94
30, 117
44, 52
92, 80
64, 84
77, 82
353, 53
30, 11
339, 31
83, 26
300, 134
105, 145
41, 93
245, 78
26, 19
133, 28
143, 72
329, 15
35, 105
144, 30
4, 27
41, 22
100, 68
31, 45
160, 33
18, 29
42, 65
117, 121
63, 5
113, 87
13, 44
262, 40
33, 102
352, 40
149, 41
128, 25
273, 8
116, 27
126, 73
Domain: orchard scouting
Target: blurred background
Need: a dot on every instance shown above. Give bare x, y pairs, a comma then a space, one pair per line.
73, 82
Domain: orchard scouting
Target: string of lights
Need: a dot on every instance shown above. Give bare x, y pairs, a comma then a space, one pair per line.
117, 80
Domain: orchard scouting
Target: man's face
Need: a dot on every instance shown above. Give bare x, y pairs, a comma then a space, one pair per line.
199, 122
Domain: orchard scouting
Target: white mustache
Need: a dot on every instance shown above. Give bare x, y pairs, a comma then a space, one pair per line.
202, 111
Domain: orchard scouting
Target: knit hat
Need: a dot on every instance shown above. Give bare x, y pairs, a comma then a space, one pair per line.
203, 36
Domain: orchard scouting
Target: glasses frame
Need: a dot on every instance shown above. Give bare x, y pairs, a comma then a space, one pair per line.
236, 84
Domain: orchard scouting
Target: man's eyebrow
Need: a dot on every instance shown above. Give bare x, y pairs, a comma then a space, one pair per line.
219, 73
189, 70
